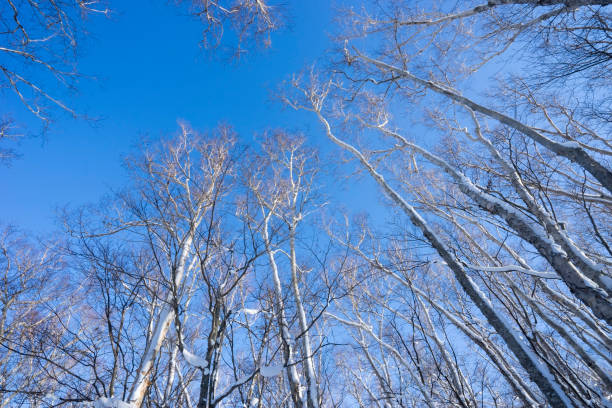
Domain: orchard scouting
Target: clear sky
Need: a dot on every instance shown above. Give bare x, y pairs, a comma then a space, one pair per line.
150, 72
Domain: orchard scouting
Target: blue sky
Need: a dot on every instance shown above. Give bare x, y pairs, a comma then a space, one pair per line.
150, 72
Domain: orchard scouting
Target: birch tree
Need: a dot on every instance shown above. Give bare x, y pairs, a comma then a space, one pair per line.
170, 221
512, 178
38, 45
36, 306
284, 194
40, 42
251, 22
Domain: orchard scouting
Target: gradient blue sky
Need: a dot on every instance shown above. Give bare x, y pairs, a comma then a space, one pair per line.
150, 72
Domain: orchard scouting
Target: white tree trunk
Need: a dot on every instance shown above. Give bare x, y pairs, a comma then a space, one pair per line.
160, 329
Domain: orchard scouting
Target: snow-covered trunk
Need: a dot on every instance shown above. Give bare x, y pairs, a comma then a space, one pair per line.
580, 285
573, 152
160, 329
583, 314
286, 338
312, 394
574, 253
583, 287
536, 371
604, 377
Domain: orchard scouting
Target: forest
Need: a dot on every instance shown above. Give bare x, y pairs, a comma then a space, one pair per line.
435, 230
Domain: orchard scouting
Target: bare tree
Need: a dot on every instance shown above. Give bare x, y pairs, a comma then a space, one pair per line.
36, 303
251, 22
38, 44
284, 191
512, 180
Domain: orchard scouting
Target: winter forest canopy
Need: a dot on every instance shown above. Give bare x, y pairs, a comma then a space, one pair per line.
423, 220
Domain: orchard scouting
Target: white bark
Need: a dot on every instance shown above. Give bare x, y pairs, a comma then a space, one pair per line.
160, 329
581, 285
286, 337
537, 372
572, 152
312, 393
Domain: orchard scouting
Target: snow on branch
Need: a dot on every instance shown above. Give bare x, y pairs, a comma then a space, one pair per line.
194, 360
112, 402
515, 268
